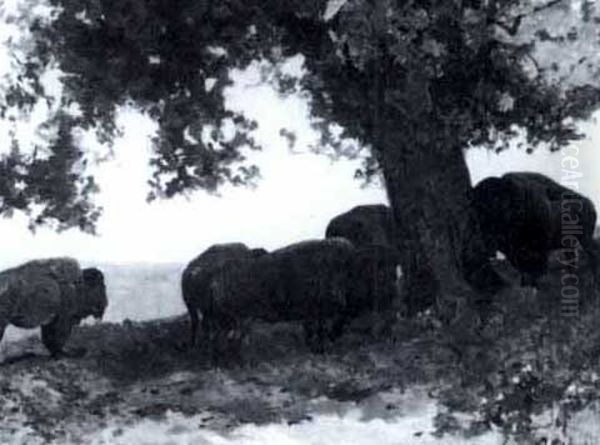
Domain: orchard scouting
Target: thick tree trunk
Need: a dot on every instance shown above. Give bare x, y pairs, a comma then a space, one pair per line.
444, 259
428, 184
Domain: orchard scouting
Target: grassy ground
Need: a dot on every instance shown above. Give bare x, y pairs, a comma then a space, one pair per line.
526, 362
141, 369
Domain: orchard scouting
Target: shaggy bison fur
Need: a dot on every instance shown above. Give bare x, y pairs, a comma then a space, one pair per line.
197, 276
312, 282
54, 294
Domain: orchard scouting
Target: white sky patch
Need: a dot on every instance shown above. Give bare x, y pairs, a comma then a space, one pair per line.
293, 66
218, 51
188, 136
83, 17
207, 131
333, 6
8, 29
9, 8
576, 60
210, 83
24, 127
295, 199
228, 129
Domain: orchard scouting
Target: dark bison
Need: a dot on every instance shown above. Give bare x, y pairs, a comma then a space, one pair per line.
527, 215
314, 282
196, 277
368, 225
54, 294
364, 225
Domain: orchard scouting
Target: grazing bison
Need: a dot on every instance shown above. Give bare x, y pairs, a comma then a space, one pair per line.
54, 294
313, 282
197, 276
364, 225
527, 215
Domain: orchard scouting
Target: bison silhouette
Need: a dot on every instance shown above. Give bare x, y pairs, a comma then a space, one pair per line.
364, 225
527, 215
52, 293
196, 278
320, 283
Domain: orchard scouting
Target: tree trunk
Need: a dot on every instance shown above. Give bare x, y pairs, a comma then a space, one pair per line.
444, 259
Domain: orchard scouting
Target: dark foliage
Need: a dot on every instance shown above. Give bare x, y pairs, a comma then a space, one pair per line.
451, 71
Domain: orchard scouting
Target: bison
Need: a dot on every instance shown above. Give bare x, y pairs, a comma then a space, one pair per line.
368, 225
526, 215
313, 282
363, 225
197, 275
52, 293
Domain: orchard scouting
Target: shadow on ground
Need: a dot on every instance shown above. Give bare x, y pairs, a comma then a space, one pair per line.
136, 370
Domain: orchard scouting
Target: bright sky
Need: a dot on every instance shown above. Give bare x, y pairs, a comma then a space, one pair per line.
297, 196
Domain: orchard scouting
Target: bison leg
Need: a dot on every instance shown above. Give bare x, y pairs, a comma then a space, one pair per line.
314, 336
235, 342
210, 334
225, 341
2, 329
217, 337
527, 280
213, 338
194, 321
55, 334
232, 329
208, 328
337, 327
321, 337
309, 333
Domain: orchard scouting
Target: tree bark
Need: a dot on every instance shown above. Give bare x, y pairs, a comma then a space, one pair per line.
444, 259
443, 255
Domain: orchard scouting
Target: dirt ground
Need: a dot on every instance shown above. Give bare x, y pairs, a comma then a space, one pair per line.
135, 371
139, 370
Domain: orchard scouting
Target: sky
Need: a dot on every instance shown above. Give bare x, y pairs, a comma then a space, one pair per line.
298, 194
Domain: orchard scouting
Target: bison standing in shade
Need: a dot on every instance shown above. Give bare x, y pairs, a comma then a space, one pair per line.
368, 225
197, 276
54, 294
313, 282
364, 225
527, 215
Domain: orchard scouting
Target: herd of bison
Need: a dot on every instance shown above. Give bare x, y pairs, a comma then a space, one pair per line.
320, 283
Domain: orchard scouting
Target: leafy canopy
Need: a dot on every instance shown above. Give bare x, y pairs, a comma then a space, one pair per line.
460, 72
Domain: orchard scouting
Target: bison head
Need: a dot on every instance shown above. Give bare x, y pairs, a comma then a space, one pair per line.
494, 198
94, 292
